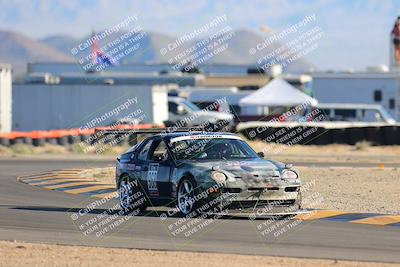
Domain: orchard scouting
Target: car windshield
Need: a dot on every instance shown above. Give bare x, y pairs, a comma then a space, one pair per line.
386, 115
212, 149
190, 105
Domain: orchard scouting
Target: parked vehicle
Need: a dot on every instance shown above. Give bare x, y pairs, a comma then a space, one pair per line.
354, 113
182, 113
204, 97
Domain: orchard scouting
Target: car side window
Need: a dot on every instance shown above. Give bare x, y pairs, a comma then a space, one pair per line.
126, 158
160, 152
143, 153
173, 107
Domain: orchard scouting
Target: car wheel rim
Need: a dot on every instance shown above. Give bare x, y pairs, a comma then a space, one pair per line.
185, 197
125, 195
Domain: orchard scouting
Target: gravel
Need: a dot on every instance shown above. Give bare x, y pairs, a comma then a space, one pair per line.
354, 189
25, 254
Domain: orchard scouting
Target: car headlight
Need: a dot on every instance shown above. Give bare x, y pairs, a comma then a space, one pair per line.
219, 177
289, 174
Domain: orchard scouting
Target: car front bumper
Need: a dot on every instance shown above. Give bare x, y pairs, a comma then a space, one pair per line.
273, 198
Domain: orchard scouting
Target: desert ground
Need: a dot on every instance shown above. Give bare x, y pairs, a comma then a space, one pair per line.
26, 254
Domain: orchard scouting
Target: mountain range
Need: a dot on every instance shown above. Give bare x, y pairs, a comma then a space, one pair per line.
19, 49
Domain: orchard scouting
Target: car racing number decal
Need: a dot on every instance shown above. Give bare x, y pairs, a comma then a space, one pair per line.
127, 166
152, 179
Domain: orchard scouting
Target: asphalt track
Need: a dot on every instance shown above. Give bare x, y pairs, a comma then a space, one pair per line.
33, 214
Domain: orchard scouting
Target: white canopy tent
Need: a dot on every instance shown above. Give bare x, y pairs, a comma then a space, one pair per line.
278, 92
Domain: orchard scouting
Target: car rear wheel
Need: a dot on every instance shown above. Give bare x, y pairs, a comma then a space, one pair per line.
186, 201
130, 196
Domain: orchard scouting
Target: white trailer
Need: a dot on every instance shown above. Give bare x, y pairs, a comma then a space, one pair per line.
380, 88
58, 106
5, 97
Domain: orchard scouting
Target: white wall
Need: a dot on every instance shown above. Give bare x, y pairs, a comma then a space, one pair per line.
46, 107
160, 109
349, 89
5, 98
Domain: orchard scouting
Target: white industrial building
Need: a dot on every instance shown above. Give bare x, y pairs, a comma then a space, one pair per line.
61, 106
375, 86
5, 97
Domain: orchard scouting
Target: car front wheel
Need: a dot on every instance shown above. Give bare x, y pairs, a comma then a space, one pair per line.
186, 193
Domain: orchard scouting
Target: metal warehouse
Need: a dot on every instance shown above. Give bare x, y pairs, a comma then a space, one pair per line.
381, 88
58, 106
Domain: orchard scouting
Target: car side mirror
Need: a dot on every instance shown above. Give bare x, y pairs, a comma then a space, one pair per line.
118, 159
260, 154
181, 110
158, 158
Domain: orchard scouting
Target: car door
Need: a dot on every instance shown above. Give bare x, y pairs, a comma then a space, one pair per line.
143, 164
158, 173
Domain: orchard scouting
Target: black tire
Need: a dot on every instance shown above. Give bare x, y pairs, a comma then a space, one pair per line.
38, 141
17, 140
128, 188
185, 200
62, 141
4, 142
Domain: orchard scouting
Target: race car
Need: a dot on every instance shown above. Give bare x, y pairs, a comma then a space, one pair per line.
202, 171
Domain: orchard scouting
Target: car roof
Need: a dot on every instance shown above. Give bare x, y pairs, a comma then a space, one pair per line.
178, 134
348, 106
175, 99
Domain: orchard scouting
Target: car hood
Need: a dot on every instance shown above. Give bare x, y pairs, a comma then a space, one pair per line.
215, 114
244, 168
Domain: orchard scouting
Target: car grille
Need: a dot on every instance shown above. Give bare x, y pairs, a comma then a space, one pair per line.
231, 190
263, 188
257, 176
292, 189
254, 204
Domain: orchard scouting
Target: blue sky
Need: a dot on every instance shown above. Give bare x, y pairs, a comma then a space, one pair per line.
356, 31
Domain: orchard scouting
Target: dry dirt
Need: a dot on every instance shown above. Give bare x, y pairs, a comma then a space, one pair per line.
354, 189
25, 254
360, 153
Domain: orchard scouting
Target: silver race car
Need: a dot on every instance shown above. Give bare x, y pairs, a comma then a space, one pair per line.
200, 172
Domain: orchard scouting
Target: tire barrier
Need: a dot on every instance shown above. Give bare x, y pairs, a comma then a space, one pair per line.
374, 135
27, 140
38, 142
16, 141
4, 141
391, 135
321, 134
356, 134
64, 137
73, 139
51, 141
285, 133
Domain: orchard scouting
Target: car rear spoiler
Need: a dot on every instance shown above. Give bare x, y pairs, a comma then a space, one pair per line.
134, 135
133, 131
